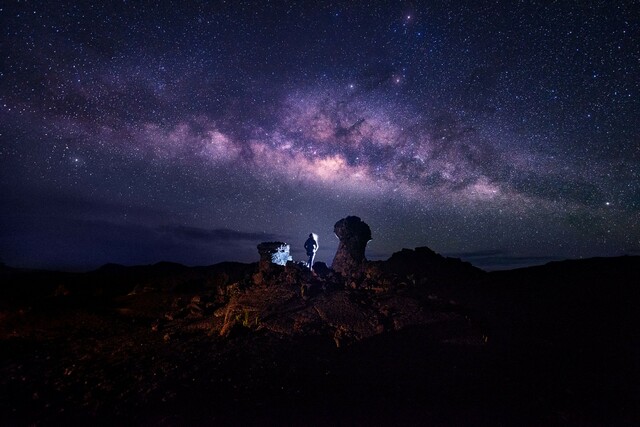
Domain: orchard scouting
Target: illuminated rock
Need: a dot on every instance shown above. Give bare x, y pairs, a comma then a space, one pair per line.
354, 235
273, 253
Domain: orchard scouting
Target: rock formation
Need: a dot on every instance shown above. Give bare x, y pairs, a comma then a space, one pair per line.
354, 235
273, 253
424, 262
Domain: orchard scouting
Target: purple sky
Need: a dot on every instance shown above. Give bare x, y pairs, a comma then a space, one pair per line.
506, 134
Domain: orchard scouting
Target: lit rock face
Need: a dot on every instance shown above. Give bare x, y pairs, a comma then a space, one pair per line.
354, 235
273, 253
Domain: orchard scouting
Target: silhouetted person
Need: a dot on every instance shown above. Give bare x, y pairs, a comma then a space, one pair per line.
311, 246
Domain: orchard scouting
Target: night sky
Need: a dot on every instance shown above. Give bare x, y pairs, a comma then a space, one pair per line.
505, 133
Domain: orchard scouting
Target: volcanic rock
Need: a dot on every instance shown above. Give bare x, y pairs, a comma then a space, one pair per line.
273, 253
321, 269
431, 266
354, 235
554, 344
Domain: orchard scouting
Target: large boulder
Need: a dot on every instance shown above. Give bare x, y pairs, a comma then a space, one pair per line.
273, 253
354, 235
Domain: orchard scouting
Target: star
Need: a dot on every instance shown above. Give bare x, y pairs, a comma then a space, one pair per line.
253, 122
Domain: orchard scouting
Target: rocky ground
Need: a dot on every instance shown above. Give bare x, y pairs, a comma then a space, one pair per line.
416, 339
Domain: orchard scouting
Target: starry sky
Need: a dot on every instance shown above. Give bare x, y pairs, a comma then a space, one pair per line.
505, 132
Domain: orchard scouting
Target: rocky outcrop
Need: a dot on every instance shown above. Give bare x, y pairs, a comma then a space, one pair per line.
424, 263
354, 235
273, 253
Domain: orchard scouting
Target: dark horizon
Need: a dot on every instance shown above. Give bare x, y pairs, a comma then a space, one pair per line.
488, 260
190, 132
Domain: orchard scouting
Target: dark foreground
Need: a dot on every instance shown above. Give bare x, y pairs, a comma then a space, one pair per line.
552, 345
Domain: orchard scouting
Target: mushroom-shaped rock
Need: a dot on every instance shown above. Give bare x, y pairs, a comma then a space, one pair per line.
273, 253
354, 235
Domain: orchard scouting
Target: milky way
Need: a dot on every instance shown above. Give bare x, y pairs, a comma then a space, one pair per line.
506, 134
